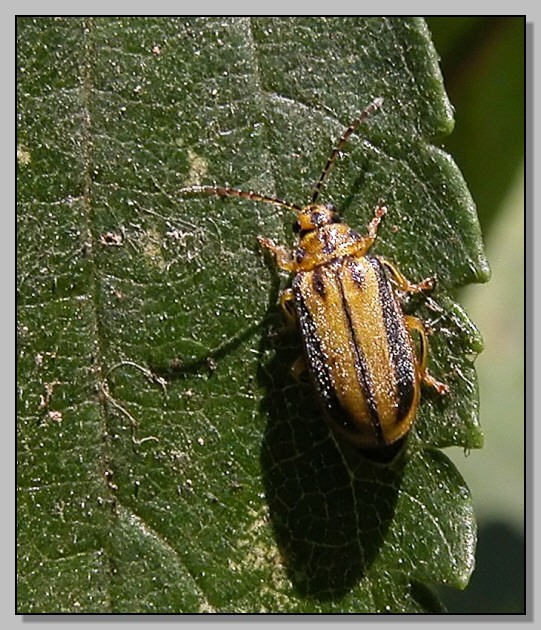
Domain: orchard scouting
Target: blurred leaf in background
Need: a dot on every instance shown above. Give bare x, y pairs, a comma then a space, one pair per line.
167, 460
483, 64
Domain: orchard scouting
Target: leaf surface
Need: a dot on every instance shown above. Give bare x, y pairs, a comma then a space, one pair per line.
167, 459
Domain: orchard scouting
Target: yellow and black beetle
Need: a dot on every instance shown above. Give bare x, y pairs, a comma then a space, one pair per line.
357, 341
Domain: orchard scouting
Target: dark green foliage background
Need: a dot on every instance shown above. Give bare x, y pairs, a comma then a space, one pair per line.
223, 490
483, 64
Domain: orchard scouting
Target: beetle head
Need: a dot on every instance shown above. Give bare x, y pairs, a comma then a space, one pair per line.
315, 216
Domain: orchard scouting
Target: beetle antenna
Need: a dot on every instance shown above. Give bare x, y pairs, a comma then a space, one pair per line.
226, 191
366, 113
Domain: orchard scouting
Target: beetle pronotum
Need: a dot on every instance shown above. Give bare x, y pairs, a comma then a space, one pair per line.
357, 341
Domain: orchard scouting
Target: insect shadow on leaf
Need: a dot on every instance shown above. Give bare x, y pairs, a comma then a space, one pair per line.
330, 506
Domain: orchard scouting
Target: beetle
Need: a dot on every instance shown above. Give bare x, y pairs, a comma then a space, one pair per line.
358, 344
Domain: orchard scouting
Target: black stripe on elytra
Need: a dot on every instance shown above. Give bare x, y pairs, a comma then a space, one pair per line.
317, 281
318, 364
357, 275
397, 342
327, 239
361, 369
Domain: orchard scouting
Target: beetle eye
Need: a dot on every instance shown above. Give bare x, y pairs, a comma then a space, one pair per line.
296, 227
334, 217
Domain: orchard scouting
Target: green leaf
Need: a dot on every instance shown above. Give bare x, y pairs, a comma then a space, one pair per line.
167, 459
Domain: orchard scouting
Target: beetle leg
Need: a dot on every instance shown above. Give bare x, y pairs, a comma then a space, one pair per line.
373, 226
414, 323
361, 246
286, 302
299, 369
403, 283
281, 255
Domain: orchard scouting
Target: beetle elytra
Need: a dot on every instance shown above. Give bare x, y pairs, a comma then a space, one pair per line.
358, 343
